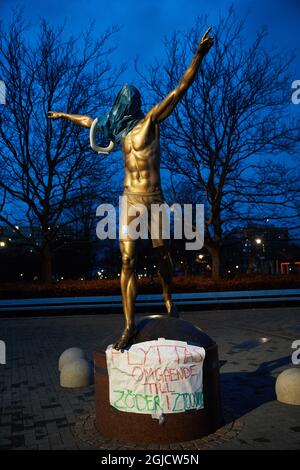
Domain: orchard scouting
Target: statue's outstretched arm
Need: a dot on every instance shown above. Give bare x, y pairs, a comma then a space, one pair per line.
162, 110
77, 119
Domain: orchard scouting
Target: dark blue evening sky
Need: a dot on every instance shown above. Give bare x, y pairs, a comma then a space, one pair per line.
144, 23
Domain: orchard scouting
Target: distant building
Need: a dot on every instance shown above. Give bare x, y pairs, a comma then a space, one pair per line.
261, 249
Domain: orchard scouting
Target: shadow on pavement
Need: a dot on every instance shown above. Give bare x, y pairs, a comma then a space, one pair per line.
244, 391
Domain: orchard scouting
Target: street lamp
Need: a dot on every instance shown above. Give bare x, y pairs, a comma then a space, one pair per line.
258, 241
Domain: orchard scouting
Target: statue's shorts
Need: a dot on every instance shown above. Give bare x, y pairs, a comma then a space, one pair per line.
144, 216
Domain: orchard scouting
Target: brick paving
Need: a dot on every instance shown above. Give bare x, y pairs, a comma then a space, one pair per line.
85, 431
36, 413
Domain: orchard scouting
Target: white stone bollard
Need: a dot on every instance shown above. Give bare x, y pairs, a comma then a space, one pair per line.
69, 355
288, 386
78, 373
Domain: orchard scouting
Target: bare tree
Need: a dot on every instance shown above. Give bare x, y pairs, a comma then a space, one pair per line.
234, 116
46, 170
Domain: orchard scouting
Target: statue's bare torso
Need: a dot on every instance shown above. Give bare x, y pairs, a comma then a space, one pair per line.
142, 158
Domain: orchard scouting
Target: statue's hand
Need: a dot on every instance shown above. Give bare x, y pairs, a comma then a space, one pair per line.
54, 115
206, 42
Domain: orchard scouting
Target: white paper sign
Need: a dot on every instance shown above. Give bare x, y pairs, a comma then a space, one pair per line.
156, 377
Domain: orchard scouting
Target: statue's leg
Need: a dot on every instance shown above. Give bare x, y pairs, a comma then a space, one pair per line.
129, 290
165, 271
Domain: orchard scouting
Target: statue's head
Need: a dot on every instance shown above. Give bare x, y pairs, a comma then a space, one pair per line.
127, 103
124, 114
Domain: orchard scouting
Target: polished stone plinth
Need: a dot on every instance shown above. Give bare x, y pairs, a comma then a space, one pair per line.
176, 427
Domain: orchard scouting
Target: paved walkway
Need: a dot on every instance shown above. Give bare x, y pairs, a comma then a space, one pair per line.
36, 413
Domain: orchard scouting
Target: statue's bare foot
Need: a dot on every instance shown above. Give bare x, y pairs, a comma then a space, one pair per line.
127, 335
172, 310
